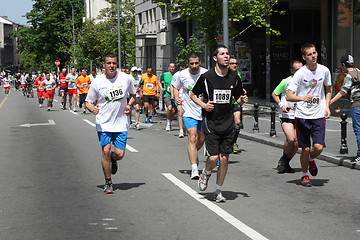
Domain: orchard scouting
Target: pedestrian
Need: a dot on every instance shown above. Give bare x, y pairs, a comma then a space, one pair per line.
166, 79
351, 85
287, 119
109, 91
192, 112
311, 89
83, 83
218, 86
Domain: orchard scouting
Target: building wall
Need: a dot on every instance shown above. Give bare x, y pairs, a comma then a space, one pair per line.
93, 8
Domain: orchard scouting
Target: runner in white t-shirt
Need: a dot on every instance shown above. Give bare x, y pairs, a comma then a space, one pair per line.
311, 89
136, 78
72, 88
192, 112
110, 91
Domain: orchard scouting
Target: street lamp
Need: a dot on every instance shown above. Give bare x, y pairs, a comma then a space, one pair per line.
72, 12
119, 41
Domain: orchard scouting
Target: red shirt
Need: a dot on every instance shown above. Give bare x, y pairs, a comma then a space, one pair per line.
38, 84
62, 78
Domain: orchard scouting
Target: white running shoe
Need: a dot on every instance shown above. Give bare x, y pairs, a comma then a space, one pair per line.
181, 134
40, 105
194, 174
137, 126
203, 181
168, 127
219, 197
74, 109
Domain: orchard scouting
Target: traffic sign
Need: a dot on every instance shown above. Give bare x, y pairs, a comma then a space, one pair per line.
57, 62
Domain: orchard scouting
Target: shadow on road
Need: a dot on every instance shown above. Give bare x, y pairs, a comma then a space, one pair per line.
315, 182
229, 195
123, 186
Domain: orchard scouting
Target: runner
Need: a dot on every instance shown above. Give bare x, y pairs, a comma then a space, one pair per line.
192, 112
109, 90
287, 119
182, 66
6, 82
63, 87
136, 81
150, 84
23, 79
49, 85
311, 89
40, 90
83, 83
218, 86
72, 88
166, 79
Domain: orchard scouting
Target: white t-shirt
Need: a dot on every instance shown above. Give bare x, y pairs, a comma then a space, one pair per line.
71, 85
136, 81
111, 95
49, 84
7, 81
23, 79
307, 82
186, 81
174, 79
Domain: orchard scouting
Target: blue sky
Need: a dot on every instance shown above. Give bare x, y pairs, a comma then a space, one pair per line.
14, 9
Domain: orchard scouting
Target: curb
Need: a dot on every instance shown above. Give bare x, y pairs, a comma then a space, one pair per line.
328, 157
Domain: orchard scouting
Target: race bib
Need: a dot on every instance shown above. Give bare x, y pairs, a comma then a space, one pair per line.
149, 86
84, 84
62, 81
114, 94
314, 102
48, 87
41, 89
222, 96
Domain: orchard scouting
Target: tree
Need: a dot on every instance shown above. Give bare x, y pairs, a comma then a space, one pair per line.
49, 36
185, 50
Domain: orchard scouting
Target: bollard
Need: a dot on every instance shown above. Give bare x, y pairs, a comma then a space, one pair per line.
241, 118
256, 117
272, 124
343, 149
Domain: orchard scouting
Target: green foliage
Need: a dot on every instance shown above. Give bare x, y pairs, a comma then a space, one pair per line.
186, 49
49, 36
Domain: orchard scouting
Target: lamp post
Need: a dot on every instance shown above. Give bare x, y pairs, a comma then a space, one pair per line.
119, 40
72, 12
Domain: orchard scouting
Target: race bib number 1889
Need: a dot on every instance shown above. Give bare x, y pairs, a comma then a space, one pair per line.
222, 96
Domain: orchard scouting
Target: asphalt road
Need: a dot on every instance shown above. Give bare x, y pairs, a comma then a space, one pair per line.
51, 182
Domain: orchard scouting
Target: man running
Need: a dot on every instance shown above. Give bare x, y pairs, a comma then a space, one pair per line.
218, 87
136, 81
192, 112
72, 88
63, 87
166, 79
311, 89
287, 119
149, 88
6, 82
40, 90
83, 83
49, 84
110, 91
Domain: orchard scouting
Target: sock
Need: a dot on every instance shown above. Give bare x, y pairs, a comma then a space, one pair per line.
218, 188
286, 158
168, 122
194, 167
236, 134
310, 159
207, 172
305, 174
181, 131
108, 180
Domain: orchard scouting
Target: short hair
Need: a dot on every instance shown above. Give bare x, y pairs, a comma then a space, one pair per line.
149, 67
305, 47
193, 55
293, 62
172, 63
110, 55
182, 64
216, 51
232, 57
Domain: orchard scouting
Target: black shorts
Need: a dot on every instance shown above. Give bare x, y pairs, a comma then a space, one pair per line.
149, 98
236, 107
137, 100
82, 97
216, 144
287, 120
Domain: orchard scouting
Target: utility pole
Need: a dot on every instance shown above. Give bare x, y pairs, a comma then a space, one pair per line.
119, 40
226, 22
72, 12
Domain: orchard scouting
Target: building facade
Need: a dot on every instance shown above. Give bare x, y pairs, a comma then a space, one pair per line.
93, 8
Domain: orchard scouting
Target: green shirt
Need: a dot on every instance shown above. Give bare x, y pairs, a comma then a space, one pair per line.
166, 79
282, 86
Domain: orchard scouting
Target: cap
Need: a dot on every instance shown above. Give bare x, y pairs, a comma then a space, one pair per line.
133, 69
347, 59
139, 69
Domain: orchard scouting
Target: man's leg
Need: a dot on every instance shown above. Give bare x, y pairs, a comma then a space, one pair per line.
196, 140
75, 100
222, 170
237, 130
180, 121
106, 160
355, 114
290, 148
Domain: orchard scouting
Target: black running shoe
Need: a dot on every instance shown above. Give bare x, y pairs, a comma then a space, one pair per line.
281, 166
288, 169
305, 181
313, 168
114, 166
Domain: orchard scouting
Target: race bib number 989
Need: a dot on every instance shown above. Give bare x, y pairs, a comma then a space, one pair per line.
222, 96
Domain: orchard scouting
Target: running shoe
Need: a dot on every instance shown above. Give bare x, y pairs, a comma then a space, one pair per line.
281, 166
181, 134
355, 160
146, 119
150, 120
114, 166
137, 126
194, 174
236, 148
203, 181
305, 181
313, 168
74, 109
168, 127
48, 109
51, 104
154, 112
40, 106
108, 189
218, 197
84, 111
289, 169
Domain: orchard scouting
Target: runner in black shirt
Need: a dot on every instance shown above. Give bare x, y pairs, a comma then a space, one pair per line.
218, 87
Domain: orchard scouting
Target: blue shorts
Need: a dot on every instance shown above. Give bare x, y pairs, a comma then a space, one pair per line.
118, 139
191, 123
306, 128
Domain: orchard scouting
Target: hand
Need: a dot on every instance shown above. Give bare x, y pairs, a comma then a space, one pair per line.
96, 110
128, 110
327, 113
179, 101
243, 99
285, 109
308, 98
209, 106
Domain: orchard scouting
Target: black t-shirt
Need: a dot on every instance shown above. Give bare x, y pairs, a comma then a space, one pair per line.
220, 90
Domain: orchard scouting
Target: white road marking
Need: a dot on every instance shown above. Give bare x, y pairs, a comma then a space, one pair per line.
216, 209
90, 123
111, 228
130, 148
50, 122
55, 100
93, 224
108, 219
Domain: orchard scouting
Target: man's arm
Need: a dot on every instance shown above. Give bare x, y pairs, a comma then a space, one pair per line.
291, 97
209, 106
328, 92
